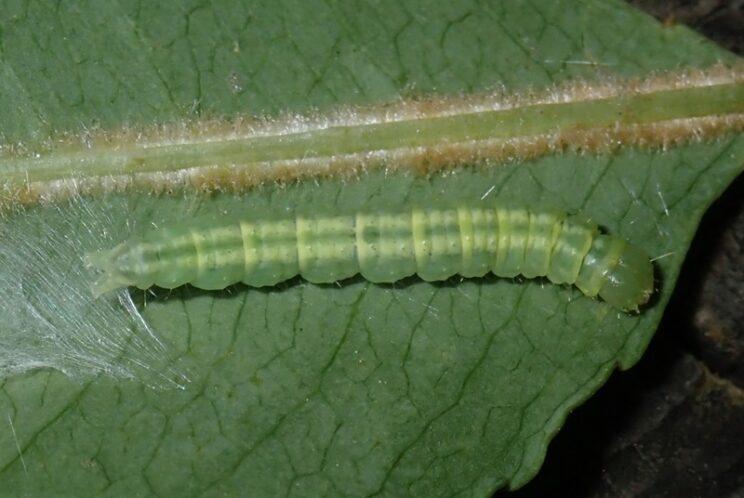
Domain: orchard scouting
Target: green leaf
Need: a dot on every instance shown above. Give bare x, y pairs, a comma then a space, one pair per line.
353, 389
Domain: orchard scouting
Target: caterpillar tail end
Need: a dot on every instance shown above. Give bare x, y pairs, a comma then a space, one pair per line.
109, 278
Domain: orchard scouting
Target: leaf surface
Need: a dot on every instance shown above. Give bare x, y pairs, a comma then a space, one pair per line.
353, 389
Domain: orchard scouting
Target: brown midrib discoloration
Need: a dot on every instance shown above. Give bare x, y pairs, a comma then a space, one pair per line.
445, 132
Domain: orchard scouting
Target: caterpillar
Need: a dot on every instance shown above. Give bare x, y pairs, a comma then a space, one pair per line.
435, 244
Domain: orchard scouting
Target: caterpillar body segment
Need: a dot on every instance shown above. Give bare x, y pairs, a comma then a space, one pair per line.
435, 244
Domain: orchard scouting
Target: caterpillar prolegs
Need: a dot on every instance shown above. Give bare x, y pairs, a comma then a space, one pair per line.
435, 244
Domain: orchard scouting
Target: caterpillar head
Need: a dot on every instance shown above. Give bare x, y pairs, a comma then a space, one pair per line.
630, 283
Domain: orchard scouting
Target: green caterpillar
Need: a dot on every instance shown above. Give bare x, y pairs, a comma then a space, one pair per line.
469, 240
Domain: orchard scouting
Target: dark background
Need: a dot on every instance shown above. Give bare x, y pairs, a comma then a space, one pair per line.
673, 426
